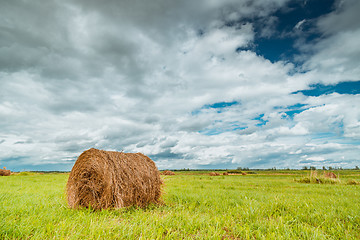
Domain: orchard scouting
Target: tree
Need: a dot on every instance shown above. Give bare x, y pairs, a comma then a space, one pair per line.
356, 167
305, 168
312, 168
243, 168
324, 168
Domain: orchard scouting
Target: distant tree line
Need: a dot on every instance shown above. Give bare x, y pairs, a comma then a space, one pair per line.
268, 169
303, 168
328, 168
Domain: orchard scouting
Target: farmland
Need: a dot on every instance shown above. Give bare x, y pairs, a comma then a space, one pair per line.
266, 205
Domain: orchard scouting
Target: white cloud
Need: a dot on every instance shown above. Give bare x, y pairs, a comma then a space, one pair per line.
337, 53
332, 113
299, 24
315, 159
142, 77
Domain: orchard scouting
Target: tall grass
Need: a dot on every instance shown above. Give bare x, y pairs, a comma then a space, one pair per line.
195, 207
325, 178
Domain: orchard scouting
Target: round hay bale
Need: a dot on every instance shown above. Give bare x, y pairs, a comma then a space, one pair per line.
214, 174
167, 172
107, 179
243, 173
4, 172
225, 173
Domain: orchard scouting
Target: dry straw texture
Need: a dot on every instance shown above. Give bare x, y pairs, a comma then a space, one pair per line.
4, 172
106, 179
167, 172
329, 175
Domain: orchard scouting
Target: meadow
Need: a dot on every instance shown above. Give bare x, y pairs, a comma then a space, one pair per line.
266, 205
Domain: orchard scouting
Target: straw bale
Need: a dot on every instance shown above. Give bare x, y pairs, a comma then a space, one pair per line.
167, 172
225, 173
329, 175
214, 174
108, 179
4, 172
243, 173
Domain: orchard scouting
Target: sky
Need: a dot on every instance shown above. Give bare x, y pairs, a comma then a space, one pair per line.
201, 84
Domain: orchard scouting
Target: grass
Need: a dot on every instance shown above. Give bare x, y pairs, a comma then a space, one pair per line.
259, 206
316, 177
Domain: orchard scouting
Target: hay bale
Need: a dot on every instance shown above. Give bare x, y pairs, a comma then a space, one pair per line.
167, 172
4, 172
214, 174
329, 175
243, 173
107, 179
225, 173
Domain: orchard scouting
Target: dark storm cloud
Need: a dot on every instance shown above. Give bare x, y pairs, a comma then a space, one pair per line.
337, 21
82, 39
24, 44
167, 154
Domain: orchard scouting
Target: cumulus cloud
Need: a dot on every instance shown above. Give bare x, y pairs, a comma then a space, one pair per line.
136, 76
336, 54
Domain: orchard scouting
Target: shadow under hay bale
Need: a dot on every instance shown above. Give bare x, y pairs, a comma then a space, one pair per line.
4, 172
167, 172
107, 179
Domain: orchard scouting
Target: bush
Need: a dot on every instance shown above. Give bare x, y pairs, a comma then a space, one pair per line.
303, 180
25, 173
352, 182
315, 177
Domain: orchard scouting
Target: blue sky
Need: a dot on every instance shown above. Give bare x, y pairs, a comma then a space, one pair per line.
192, 84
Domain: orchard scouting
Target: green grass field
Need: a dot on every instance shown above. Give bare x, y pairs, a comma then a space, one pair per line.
267, 205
